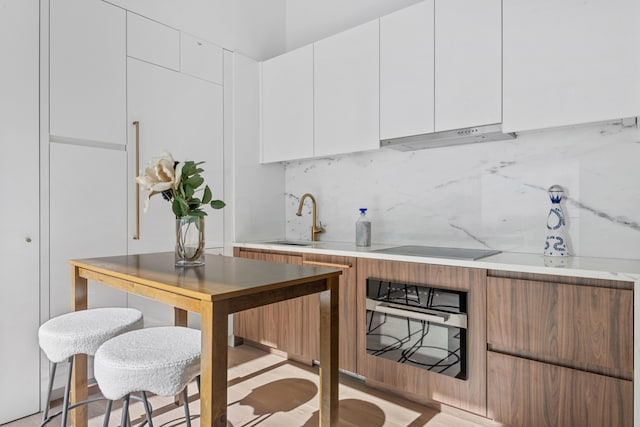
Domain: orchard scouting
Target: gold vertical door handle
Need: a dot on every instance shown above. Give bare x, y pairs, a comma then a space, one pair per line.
136, 235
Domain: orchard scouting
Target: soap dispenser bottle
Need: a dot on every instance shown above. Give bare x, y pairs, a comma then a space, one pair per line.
363, 229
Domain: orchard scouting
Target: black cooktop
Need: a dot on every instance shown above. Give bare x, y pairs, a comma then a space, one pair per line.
439, 252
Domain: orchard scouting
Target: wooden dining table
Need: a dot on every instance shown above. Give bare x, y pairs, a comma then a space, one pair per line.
222, 286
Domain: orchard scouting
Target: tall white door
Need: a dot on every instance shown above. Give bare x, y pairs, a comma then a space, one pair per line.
19, 216
183, 115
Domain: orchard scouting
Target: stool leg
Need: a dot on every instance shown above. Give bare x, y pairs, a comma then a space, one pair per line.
67, 390
147, 408
52, 374
107, 414
125, 411
185, 397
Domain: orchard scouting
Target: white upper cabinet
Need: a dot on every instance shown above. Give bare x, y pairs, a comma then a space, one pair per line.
570, 62
287, 106
346, 91
153, 42
200, 58
87, 71
407, 71
468, 63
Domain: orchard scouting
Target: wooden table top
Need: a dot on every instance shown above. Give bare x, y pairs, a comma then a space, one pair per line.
221, 277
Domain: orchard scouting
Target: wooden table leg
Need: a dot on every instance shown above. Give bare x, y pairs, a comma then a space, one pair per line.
79, 387
329, 354
213, 362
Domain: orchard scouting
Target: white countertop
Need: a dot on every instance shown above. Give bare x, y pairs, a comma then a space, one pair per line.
596, 268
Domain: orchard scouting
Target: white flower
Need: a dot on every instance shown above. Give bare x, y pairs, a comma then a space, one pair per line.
160, 175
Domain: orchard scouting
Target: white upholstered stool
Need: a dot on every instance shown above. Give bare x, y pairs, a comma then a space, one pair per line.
81, 332
162, 360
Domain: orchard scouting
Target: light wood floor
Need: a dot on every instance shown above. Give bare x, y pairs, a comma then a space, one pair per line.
268, 391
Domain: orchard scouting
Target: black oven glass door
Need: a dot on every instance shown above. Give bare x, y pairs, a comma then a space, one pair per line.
418, 325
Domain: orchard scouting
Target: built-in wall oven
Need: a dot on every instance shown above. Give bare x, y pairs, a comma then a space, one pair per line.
418, 325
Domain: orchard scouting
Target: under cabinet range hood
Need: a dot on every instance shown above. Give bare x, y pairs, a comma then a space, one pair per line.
447, 138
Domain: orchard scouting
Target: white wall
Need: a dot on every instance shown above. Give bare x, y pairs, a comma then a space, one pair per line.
482, 195
254, 193
255, 28
311, 20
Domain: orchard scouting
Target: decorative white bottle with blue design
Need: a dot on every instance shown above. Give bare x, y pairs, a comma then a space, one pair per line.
556, 244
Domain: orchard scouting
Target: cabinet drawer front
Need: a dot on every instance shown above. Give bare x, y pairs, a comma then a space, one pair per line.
525, 393
584, 327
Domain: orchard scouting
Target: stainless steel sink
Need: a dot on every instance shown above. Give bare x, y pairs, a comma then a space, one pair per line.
289, 243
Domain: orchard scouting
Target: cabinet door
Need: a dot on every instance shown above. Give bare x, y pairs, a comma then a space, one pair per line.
527, 393
19, 227
88, 214
278, 325
181, 114
562, 66
200, 58
347, 310
87, 71
153, 42
407, 71
346, 91
584, 327
468, 63
287, 106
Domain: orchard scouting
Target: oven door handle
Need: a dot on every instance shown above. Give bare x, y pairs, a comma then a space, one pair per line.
417, 313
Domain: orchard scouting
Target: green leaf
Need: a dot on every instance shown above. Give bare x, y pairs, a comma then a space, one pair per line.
179, 208
218, 204
189, 168
188, 190
197, 212
206, 197
194, 181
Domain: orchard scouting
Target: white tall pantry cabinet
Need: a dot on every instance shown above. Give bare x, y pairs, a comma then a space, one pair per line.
109, 68
181, 112
19, 221
87, 111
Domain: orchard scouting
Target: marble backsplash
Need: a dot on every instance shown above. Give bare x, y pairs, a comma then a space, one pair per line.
489, 195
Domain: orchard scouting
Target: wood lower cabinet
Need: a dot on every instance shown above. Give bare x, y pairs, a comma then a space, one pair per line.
561, 351
274, 325
292, 326
347, 309
419, 384
526, 393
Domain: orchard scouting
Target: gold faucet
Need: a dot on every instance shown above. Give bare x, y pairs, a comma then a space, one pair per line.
315, 229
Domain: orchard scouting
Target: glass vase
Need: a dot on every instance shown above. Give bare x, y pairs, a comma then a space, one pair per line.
189, 241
